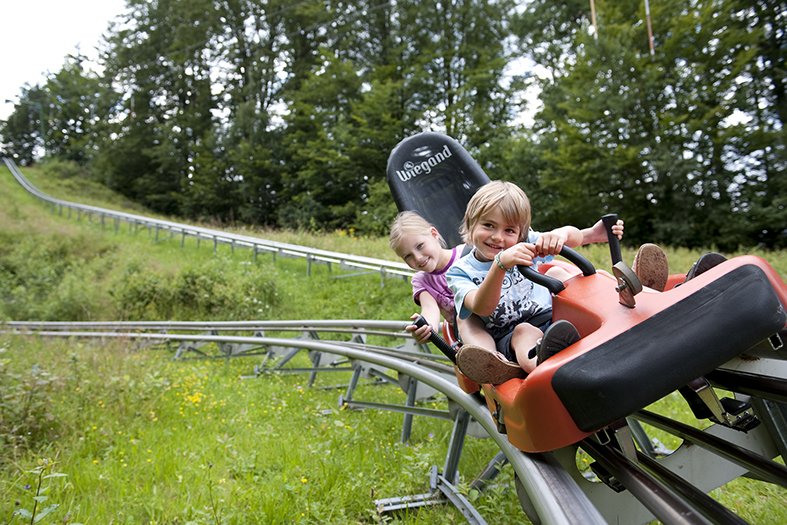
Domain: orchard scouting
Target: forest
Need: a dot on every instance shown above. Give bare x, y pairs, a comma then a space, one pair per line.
282, 113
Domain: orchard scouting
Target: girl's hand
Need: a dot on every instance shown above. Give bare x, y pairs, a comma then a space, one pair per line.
420, 334
617, 229
598, 232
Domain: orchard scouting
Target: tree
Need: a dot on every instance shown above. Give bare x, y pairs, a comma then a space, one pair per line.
161, 60
25, 129
77, 109
644, 135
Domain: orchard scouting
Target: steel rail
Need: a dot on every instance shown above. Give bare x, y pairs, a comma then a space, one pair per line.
707, 506
539, 474
381, 327
666, 503
435, 362
355, 327
384, 267
774, 388
767, 470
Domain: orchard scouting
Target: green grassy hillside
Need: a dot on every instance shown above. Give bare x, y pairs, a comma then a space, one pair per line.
100, 432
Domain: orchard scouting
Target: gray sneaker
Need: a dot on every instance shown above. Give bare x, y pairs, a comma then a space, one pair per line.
650, 265
560, 334
705, 263
486, 366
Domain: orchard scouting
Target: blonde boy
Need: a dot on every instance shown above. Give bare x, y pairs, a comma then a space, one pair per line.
487, 284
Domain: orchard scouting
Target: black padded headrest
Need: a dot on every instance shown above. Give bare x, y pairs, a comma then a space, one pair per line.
432, 174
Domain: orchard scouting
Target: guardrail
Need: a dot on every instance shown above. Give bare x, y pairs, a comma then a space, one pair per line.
367, 264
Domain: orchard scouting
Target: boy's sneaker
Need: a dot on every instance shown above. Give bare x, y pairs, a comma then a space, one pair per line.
705, 263
651, 267
560, 335
486, 366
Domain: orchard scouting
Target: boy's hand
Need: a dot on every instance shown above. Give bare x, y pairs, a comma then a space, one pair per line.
550, 243
519, 254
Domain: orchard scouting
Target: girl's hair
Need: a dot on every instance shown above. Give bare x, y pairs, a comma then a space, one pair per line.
410, 223
506, 196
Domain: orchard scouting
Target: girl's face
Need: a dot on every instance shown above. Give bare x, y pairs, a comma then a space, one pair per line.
492, 234
420, 251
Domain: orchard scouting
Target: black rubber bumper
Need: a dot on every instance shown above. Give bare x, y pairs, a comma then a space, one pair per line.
666, 351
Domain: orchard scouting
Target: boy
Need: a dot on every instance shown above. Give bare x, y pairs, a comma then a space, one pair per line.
487, 284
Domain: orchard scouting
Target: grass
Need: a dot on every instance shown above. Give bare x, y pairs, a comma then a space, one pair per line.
107, 432
143, 439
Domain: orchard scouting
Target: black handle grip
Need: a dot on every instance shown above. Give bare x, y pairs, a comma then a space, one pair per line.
579, 260
614, 244
436, 340
555, 286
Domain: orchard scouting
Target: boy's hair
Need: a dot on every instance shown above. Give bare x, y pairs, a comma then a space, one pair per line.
409, 222
508, 197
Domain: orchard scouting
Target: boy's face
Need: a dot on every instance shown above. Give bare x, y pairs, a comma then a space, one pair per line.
492, 234
421, 252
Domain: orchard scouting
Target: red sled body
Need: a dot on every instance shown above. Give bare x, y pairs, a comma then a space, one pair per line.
628, 356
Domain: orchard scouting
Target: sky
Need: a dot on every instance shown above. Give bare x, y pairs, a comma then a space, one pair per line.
36, 36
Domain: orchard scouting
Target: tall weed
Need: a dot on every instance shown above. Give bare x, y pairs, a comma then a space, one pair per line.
33, 267
27, 420
219, 288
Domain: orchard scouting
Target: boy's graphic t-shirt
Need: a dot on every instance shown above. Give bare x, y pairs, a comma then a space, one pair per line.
520, 298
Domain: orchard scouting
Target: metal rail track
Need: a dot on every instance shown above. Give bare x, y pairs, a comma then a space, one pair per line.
550, 487
367, 264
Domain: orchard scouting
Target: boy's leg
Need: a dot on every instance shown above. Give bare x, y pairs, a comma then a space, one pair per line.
558, 273
525, 337
472, 332
705, 263
478, 357
560, 335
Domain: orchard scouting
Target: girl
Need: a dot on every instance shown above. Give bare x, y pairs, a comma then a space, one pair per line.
423, 249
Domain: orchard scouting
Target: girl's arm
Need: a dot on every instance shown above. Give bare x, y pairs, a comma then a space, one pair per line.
431, 312
429, 309
551, 242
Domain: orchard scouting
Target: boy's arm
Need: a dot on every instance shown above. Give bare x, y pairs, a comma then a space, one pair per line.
598, 232
484, 300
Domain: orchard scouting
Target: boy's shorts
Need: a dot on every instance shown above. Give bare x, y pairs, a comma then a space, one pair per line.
503, 344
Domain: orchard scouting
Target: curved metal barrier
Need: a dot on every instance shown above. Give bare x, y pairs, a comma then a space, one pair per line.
383, 267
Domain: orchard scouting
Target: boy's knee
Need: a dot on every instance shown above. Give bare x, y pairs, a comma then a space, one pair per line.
527, 330
558, 273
